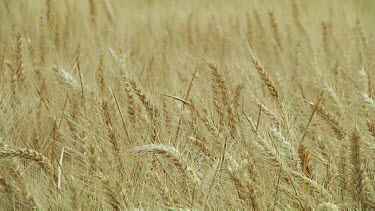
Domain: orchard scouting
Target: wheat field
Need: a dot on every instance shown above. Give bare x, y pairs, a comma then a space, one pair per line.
201, 104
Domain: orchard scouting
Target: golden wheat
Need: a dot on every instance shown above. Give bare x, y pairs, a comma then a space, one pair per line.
148, 105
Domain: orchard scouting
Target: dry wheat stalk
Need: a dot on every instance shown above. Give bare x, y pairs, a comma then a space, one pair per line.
362, 32
100, 81
208, 181
167, 115
245, 191
66, 79
29, 154
49, 12
131, 104
220, 89
266, 78
236, 100
362, 191
75, 203
92, 159
326, 28
108, 10
222, 102
272, 88
78, 62
112, 134
275, 29
334, 97
13, 191
297, 19
173, 155
291, 152
277, 161
19, 72
93, 11
333, 122
246, 188
259, 24
151, 109
295, 10
42, 45
250, 30
303, 172
328, 206
184, 102
343, 170
19, 185
315, 107
164, 190
120, 112
304, 156
110, 192
8, 188
201, 145
368, 100
371, 127
274, 118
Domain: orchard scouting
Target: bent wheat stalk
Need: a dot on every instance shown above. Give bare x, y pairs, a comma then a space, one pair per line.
171, 154
28, 154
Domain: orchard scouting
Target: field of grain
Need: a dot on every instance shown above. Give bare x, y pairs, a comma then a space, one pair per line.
201, 104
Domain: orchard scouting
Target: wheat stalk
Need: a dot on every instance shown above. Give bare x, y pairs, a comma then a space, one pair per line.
171, 154
273, 90
28, 154
362, 191
275, 29
110, 192
66, 79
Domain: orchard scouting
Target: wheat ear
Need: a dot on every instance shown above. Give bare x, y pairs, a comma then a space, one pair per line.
171, 154
29, 154
362, 186
272, 88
